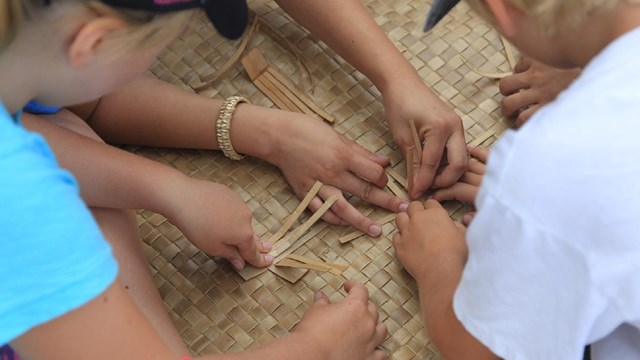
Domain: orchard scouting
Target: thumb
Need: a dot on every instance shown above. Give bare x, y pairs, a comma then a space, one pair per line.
321, 298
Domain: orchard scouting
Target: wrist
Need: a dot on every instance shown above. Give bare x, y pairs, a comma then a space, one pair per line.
253, 132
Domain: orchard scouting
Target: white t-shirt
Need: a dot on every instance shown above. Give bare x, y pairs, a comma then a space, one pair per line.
554, 251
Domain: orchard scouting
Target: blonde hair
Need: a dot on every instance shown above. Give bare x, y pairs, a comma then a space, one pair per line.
147, 29
554, 14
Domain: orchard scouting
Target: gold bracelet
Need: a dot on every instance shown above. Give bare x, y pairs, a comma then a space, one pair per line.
223, 126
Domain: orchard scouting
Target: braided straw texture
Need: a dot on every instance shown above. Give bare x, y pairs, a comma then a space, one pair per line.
212, 307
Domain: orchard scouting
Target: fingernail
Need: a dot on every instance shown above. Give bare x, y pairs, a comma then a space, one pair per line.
418, 195
404, 206
266, 245
466, 219
268, 258
375, 230
317, 296
238, 264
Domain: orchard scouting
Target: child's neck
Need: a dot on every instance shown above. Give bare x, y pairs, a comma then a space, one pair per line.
601, 29
15, 86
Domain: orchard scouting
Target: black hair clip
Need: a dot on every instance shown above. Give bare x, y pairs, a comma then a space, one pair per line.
46, 2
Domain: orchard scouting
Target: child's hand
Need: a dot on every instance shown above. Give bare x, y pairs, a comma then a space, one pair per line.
466, 189
218, 222
533, 85
427, 238
346, 330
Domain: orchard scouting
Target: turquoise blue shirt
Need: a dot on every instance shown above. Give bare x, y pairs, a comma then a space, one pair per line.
53, 257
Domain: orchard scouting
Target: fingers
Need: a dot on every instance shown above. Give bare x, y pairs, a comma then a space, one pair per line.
402, 219
248, 251
458, 161
526, 114
329, 216
513, 104
523, 65
357, 291
476, 167
379, 354
378, 159
432, 204
471, 178
321, 298
462, 192
468, 217
348, 214
431, 156
372, 172
374, 195
373, 310
263, 246
514, 83
479, 153
414, 207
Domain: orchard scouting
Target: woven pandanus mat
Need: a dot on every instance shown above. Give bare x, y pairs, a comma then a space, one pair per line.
213, 308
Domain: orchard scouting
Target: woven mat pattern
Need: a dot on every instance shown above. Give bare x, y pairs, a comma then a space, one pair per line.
212, 307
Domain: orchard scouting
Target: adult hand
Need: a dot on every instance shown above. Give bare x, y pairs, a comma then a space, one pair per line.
533, 85
346, 330
444, 157
425, 233
310, 150
218, 222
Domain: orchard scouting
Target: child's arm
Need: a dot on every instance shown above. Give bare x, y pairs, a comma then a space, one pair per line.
112, 178
348, 28
111, 327
433, 250
153, 113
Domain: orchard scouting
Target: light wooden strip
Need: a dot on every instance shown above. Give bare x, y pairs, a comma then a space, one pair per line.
270, 94
249, 272
323, 114
508, 49
350, 237
299, 105
254, 63
397, 190
297, 212
306, 260
356, 234
416, 140
396, 175
481, 138
410, 168
280, 249
282, 40
288, 262
277, 94
293, 275
208, 80
489, 75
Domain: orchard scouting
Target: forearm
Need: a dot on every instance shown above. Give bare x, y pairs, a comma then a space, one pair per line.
437, 287
149, 112
347, 27
109, 177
